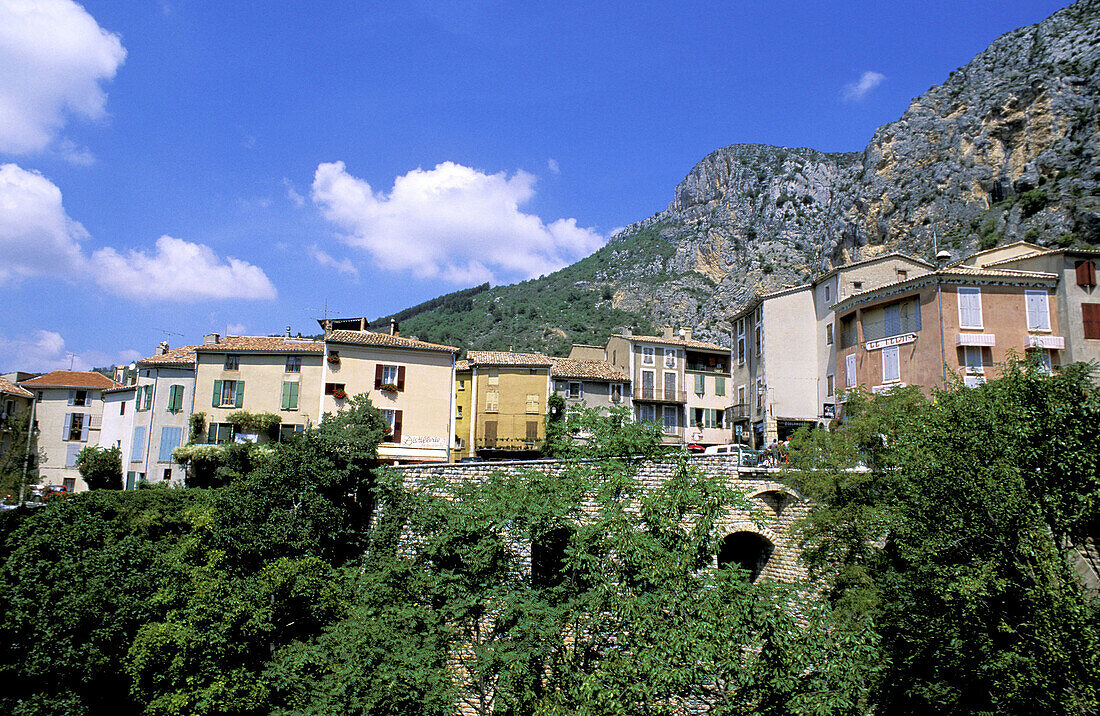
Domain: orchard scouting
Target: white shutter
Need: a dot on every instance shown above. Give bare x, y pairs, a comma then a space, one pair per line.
850, 370
1038, 313
970, 307
891, 371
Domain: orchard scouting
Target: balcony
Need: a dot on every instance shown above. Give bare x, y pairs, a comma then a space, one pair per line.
740, 411
657, 395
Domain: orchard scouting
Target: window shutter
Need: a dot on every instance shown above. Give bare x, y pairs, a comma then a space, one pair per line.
294, 387
286, 395
850, 369
212, 433
84, 427
1038, 315
890, 367
400, 377
72, 397
66, 426
170, 438
1086, 273
148, 397
532, 430
397, 426
216, 400
378, 376
239, 401
175, 398
1090, 315
138, 448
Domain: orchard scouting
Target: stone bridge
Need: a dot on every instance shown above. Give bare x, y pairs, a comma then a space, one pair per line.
758, 538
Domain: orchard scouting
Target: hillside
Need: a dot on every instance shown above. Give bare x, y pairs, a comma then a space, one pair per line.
1007, 148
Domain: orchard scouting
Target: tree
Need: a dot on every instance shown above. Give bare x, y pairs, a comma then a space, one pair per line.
955, 541
13, 457
100, 467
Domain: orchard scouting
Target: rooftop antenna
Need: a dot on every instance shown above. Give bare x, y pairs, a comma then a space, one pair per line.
72, 357
167, 332
324, 310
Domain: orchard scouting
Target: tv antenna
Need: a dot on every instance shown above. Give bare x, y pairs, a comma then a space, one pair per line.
167, 332
324, 310
72, 357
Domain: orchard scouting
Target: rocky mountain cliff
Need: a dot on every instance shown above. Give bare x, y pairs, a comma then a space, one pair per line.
1007, 148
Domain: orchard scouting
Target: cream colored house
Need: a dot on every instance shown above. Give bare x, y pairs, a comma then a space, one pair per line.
117, 428
257, 374
410, 381
163, 403
507, 395
68, 410
592, 383
15, 406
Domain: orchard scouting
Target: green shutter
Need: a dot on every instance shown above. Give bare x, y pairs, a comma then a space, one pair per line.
240, 394
175, 398
286, 396
700, 383
212, 433
217, 394
293, 396
148, 397
719, 385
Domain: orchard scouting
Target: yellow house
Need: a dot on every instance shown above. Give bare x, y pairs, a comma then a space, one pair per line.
503, 398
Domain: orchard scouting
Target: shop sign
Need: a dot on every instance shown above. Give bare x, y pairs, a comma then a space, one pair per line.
891, 341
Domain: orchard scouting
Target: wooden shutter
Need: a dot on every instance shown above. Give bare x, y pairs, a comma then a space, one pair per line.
378, 376
138, 448
175, 401
239, 401
1038, 313
84, 427
1090, 314
212, 433
532, 430
397, 426
1086, 273
66, 426
490, 433
400, 377
286, 395
148, 397
216, 400
72, 397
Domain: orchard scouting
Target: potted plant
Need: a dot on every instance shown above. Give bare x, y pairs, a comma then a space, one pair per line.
388, 388
334, 358
339, 394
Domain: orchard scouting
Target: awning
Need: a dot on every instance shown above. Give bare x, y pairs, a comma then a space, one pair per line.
1054, 343
987, 340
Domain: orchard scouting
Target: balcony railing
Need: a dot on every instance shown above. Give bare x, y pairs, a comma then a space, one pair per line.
738, 411
659, 395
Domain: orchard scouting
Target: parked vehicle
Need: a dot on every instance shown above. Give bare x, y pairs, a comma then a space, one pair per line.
746, 457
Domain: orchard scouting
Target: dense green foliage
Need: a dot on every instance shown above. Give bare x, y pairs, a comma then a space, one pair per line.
955, 540
13, 434
100, 467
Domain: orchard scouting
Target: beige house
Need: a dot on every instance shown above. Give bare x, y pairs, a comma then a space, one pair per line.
257, 374
506, 397
410, 381
15, 405
785, 344
1076, 300
589, 382
68, 410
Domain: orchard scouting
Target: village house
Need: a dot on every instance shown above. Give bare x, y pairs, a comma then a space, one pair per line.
117, 428
15, 405
594, 383
500, 403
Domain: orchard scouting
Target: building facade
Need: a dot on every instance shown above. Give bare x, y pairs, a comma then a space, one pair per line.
117, 428
507, 403
410, 381
164, 400
15, 408
592, 383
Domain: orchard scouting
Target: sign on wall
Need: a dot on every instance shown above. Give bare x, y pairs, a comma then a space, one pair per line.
891, 341
424, 441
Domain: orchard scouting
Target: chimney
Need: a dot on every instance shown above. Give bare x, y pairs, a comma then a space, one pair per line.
686, 333
162, 348
211, 339
666, 331
287, 334
627, 332
394, 329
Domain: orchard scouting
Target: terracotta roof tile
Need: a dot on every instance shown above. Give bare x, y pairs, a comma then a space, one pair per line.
120, 389
71, 379
700, 345
261, 344
13, 389
462, 365
370, 338
951, 274
587, 370
175, 356
529, 360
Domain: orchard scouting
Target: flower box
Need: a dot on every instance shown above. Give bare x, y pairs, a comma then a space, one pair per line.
339, 394
388, 388
334, 359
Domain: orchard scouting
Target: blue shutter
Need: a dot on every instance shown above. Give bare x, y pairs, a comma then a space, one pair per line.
71, 451
138, 448
84, 427
169, 440
66, 425
72, 397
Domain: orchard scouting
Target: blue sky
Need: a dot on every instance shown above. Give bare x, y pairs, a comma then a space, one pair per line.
198, 167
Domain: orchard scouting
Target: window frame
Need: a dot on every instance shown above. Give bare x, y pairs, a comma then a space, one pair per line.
293, 364
975, 293
232, 361
649, 355
1044, 323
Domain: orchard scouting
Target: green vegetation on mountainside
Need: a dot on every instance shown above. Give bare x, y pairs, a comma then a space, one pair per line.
573, 305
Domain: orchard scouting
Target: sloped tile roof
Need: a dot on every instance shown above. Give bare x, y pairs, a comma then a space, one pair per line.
699, 345
262, 344
587, 370
13, 389
462, 365
951, 274
526, 360
369, 338
175, 356
71, 379
120, 389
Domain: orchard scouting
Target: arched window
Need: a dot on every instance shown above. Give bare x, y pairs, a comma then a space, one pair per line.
748, 550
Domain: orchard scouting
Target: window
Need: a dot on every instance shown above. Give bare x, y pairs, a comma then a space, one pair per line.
891, 368
670, 386
829, 385
741, 396
758, 330
122, 408
647, 413
78, 397
857, 285
903, 274
1044, 361
232, 362
828, 334
228, 393
850, 370
848, 331
137, 448
759, 395
170, 439
1090, 315
71, 451
490, 433
970, 307
615, 391
648, 379
670, 418
167, 474
828, 292
720, 385
1038, 313
707, 417
389, 376
69, 483
647, 355
741, 341
294, 364
972, 359
393, 424
460, 443
76, 427
670, 358
290, 395
575, 392
890, 320
334, 388
218, 433
494, 376
532, 431
286, 432
700, 384
461, 384
144, 399
532, 406
1086, 273
458, 413
175, 398
492, 401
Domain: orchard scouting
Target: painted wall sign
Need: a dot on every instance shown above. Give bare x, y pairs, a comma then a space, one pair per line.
426, 441
891, 341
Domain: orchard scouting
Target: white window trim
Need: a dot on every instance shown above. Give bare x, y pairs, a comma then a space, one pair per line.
850, 370
973, 368
1046, 313
648, 355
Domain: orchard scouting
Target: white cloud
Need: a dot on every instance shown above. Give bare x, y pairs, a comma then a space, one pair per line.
179, 270
236, 329
343, 266
552, 165
43, 351
855, 91
295, 198
451, 222
54, 56
37, 238
36, 235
